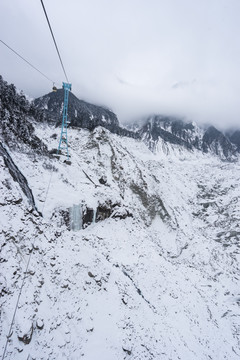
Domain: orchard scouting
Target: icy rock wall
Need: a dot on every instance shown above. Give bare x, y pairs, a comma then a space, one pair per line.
75, 217
82, 216
17, 175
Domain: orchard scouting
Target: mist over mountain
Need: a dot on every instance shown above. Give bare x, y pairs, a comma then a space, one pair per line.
130, 250
159, 130
80, 113
152, 129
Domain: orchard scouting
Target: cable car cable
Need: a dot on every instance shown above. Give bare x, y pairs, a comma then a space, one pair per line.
25, 275
45, 12
27, 61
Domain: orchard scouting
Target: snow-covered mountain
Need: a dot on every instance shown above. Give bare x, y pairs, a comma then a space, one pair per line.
80, 113
163, 133
153, 272
158, 132
235, 138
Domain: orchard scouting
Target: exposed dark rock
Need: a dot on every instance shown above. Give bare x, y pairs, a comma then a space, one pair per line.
153, 204
87, 217
125, 302
129, 352
61, 217
53, 151
103, 212
4, 290
121, 213
171, 130
17, 175
235, 138
177, 132
90, 330
67, 162
80, 113
103, 180
26, 338
40, 324
214, 140
91, 274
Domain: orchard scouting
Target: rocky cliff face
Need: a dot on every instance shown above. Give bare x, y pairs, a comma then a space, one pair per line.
164, 244
17, 134
216, 142
235, 139
161, 133
80, 113
153, 276
17, 176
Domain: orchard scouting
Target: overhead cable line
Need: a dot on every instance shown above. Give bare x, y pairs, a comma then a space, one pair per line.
24, 275
45, 12
27, 61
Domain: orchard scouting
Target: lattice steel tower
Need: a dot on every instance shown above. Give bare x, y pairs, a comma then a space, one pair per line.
63, 142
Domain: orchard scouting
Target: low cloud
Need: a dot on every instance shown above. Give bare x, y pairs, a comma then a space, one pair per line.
136, 57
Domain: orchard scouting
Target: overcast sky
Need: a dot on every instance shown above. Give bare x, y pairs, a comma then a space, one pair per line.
178, 57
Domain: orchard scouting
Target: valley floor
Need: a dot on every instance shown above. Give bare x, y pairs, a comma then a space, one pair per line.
162, 283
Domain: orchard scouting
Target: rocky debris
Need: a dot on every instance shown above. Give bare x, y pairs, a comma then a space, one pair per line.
90, 330
103, 180
87, 217
129, 352
102, 212
61, 217
91, 274
3, 284
39, 324
121, 213
153, 203
168, 291
26, 335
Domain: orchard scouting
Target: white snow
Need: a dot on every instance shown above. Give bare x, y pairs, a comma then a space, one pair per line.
162, 284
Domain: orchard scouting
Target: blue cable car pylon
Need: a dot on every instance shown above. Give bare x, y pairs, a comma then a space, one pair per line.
63, 142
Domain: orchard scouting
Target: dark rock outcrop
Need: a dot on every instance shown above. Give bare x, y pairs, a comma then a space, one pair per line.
17, 130
213, 140
235, 139
17, 175
27, 337
80, 113
169, 129
188, 135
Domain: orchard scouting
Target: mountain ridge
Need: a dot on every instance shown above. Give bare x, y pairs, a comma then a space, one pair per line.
80, 113
160, 130
152, 270
155, 128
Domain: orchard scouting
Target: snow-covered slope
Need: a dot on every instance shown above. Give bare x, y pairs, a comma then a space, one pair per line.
157, 279
168, 134
80, 113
